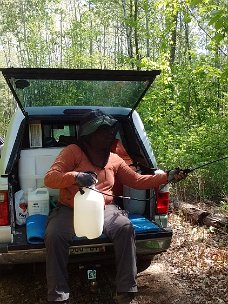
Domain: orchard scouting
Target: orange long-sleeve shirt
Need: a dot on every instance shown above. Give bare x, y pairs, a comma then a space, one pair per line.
72, 159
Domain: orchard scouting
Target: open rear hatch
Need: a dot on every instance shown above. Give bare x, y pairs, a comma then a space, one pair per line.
78, 87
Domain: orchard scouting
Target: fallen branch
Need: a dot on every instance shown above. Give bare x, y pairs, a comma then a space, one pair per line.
198, 216
215, 221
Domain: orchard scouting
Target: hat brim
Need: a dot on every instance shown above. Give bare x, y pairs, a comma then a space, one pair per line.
91, 126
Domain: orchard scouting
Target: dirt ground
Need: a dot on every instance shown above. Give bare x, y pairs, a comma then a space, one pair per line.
193, 270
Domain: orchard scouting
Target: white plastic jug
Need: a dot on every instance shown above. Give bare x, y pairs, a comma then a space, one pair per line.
38, 201
88, 213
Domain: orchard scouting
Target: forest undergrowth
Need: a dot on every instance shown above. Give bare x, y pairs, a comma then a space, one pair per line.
193, 270
195, 266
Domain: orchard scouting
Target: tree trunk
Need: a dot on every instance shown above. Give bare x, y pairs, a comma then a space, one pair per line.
61, 39
128, 29
189, 58
187, 44
91, 40
136, 33
173, 40
148, 53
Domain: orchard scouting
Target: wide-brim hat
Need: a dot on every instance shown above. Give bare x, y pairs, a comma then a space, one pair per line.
93, 120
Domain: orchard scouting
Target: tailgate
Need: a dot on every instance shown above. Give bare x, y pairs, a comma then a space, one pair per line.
150, 237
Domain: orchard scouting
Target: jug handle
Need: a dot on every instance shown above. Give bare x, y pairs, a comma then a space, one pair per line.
81, 191
41, 189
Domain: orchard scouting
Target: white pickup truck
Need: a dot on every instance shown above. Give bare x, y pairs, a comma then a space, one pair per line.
51, 103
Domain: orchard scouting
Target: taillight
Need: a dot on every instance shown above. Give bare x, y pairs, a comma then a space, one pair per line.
162, 206
4, 209
162, 195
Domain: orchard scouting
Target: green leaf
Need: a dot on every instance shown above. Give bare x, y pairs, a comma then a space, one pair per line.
187, 18
218, 38
195, 2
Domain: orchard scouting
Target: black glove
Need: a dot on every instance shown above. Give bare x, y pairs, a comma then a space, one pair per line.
86, 179
177, 174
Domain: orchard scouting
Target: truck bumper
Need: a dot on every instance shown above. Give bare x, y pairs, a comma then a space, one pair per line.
86, 253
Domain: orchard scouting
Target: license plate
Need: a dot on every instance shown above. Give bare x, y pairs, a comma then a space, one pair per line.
81, 250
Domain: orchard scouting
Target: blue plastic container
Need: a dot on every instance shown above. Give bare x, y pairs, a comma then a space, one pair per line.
35, 228
142, 224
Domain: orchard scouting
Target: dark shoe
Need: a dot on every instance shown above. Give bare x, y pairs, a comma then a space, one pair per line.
126, 298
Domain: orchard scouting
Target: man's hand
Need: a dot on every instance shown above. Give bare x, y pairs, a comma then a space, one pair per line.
176, 175
85, 179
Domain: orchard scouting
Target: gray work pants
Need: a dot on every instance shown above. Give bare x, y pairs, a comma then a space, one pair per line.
59, 233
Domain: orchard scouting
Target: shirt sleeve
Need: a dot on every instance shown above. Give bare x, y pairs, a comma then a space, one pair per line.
132, 179
62, 173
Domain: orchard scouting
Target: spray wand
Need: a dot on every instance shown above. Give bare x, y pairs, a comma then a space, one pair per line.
189, 170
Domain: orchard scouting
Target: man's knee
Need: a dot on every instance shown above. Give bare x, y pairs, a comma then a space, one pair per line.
124, 228
127, 229
54, 234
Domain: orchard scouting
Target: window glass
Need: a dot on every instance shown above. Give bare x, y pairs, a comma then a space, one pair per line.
53, 134
65, 130
81, 92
